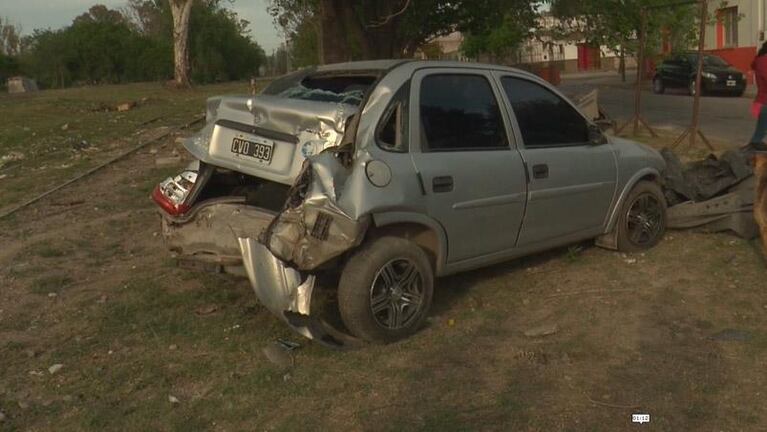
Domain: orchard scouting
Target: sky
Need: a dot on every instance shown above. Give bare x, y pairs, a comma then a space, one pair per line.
32, 14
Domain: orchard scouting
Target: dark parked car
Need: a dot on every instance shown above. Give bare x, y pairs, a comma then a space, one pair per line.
718, 76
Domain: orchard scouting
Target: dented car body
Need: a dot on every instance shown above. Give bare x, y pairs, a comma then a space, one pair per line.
396, 172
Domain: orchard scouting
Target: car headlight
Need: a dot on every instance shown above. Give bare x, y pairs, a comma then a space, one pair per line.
708, 75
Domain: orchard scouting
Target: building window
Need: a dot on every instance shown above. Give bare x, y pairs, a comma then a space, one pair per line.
729, 19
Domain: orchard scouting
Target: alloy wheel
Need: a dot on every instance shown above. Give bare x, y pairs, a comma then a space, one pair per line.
397, 295
644, 221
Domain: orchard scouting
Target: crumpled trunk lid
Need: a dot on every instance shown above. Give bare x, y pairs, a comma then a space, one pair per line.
292, 129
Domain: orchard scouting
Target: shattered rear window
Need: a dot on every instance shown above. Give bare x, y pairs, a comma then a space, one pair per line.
347, 89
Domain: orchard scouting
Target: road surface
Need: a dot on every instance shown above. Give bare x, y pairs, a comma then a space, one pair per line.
723, 118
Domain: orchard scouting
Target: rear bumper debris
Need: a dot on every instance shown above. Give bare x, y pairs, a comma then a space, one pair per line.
711, 195
730, 212
287, 293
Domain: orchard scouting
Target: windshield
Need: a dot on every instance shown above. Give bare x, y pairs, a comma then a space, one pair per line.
347, 89
709, 60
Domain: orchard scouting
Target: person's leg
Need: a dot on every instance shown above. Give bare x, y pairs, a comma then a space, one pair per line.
757, 140
760, 204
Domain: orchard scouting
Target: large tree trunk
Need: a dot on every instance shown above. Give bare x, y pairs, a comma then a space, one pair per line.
181, 9
345, 35
333, 43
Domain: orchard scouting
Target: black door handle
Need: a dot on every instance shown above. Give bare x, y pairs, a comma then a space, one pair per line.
541, 171
442, 184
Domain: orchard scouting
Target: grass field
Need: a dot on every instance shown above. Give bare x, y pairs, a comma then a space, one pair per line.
678, 332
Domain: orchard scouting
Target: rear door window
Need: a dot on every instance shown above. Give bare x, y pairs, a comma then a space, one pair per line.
459, 112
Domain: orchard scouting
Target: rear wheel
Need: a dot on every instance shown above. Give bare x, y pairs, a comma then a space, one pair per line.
386, 289
657, 85
642, 220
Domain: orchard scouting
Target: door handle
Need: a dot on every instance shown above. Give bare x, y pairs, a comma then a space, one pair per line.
442, 184
540, 171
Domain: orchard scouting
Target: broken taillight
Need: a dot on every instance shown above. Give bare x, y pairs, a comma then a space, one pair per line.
174, 192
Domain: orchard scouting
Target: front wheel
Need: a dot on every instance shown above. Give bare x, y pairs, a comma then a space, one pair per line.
386, 289
642, 220
692, 89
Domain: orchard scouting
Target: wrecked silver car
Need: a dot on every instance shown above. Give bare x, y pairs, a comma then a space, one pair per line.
394, 173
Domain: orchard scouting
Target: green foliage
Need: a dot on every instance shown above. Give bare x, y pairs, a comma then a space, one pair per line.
305, 47
488, 31
9, 66
110, 46
616, 23
385, 28
220, 49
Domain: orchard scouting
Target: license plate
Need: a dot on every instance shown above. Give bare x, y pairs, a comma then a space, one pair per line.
731, 83
260, 150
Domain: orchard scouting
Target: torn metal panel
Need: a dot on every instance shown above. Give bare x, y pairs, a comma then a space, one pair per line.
704, 179
292, 130
729, 212
287, 293
313, 229
207, 233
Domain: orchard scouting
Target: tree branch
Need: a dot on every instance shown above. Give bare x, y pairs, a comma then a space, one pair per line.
388, 18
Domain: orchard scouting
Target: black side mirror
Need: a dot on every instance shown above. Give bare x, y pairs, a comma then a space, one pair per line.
596, 137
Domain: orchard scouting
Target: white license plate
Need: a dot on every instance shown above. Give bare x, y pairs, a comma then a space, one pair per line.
259, 149
731, 83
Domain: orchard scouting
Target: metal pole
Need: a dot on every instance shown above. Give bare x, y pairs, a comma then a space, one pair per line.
640, 70
694, 129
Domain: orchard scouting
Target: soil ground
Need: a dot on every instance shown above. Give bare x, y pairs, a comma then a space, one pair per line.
678, 332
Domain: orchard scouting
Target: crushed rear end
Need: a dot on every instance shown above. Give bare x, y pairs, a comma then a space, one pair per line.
251, 205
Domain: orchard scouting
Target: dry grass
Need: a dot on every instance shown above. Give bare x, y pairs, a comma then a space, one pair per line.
634, 336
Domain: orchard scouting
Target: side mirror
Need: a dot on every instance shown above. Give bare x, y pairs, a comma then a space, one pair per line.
596, 137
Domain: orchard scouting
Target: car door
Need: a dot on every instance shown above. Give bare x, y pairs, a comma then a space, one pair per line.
572, 181
472, 175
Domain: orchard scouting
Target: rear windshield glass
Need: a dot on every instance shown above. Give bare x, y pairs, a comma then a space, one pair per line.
348, 89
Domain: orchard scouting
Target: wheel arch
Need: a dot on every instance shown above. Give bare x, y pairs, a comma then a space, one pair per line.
645, 174
426, 232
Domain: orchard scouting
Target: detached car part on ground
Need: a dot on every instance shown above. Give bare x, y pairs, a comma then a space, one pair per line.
395, 173
712, 195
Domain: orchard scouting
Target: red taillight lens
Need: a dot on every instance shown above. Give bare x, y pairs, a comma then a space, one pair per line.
172, 194
166, 204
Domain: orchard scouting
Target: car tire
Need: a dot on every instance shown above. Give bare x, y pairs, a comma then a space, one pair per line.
657, 85
642, 220
691, 88
377, 300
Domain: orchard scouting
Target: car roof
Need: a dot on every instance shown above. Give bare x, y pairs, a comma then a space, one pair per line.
388, 64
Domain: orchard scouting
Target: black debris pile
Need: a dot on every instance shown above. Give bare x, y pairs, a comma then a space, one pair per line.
711, 195
704, 179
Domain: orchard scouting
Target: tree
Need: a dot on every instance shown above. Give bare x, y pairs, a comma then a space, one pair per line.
616, 24
10, 37
181, 10
497, 27
372, 29
114, 46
